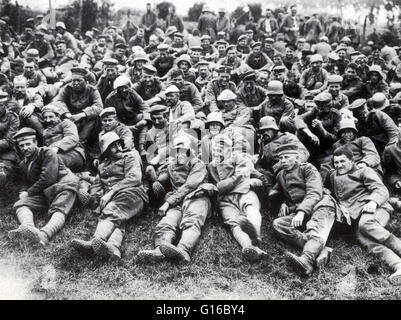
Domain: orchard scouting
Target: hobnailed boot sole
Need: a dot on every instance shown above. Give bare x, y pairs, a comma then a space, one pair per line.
251, 254
82, 246
172, 252
100, 247
395, 279
15, 234
33, 235
296, 262
150, 257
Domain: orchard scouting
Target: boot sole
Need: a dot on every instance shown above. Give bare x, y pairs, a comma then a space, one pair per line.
147, 257
100, 248
250, 254
171, 252
80, 247
30, 234
396, 280
293, 261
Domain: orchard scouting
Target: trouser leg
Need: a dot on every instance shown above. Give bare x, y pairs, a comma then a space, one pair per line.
195, 212
166, 229
283, 229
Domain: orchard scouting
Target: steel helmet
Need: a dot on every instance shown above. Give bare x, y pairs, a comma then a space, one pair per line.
182, 143
214, 117
347, 124
121, 81
106, 140
184, 58
268, 122
275, 87
227, 95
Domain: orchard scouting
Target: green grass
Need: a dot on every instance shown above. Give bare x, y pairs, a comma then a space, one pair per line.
216, 270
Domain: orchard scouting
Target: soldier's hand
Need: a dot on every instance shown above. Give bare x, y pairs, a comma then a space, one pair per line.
27, 111
370, 207
55, 149
106, 198
284, 210
398, 184
23, 195
78, 117
361, 165
314, 139
316, 123
298, 219
163, 209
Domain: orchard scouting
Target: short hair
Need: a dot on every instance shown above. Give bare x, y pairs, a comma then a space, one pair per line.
344, 150
176, 73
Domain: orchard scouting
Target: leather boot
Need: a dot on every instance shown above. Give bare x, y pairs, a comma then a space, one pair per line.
307, 259
253, 254
103, 231
151, 256
395, 278
114, 243
54, 225
188, 241
394, 244
174, 253
323, 258
25, 218
82, 246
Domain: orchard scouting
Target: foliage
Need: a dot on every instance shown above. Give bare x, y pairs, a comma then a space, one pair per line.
17, 14
240, 14
195, 11
162, 8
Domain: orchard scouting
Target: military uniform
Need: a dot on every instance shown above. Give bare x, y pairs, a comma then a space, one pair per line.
147, 92
353, 191
9, 124
64, 136
213, 89
188, 210
88, 101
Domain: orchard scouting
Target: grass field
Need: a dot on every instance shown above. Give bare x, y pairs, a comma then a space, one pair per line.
216, 270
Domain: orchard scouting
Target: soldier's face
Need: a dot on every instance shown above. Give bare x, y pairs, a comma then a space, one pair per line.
341, 54
184, 66
342, 164
316, 65
268, 135
61, 47
228, 105
78, 83
123, 91
374, 77
109, 122
178, 81
163, 54
347, 135
101, 42
148, 79
334, 89
221, 49
99, 54
256, 49
263, 79
119, 52
279, 75
159, 121
140, 33
231, 55
268, 45
182, 156
178, 40
203, 71
289, 53
215, 128
361, 113
323, 107
242, 42
224, 78
205, 43
172, 99
274, 98
19, 90
249, 84
288, 161
29, 69
195, 55
116, 149
111, 73
27, 147
376, 54
277, 61
50, 119
350, 73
